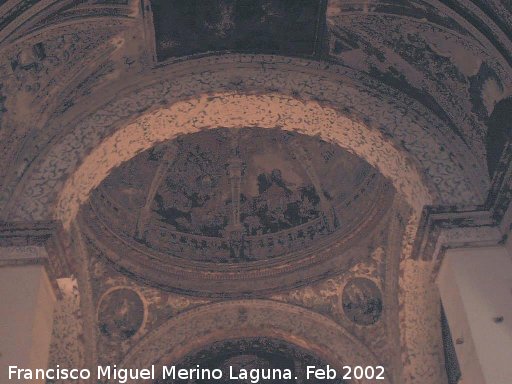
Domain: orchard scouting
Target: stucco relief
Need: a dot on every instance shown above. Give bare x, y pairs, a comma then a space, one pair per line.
288, 113
323, 297
42, 63
495, 15
254, 353
362, 301
297, 217
67, 346
158, 307
422, 352
380, 256
470, 89
430, 53
424, 155
205, 325
87, 303
177, 197
233, 110
326, 298
37, 73
501, 9
437, 161
419, 315
121, 313
20, 19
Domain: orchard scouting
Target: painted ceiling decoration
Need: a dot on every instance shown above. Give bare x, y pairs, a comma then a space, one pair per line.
121, 313
278, 27
256, 201
233, 357
277, 179
236, 204
362, 301
451, 59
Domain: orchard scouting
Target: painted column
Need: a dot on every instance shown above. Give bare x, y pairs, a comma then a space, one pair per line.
475, 285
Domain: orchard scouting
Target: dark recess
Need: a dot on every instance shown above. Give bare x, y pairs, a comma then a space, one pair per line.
450, 357
498, 133
287, 27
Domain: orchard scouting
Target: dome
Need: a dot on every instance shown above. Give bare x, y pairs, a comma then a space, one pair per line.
236, 201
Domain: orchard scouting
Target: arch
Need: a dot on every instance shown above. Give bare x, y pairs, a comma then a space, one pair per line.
204, 325
426, 161
232, 110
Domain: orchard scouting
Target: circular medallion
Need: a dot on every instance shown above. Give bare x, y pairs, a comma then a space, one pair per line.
120, 313
362, 301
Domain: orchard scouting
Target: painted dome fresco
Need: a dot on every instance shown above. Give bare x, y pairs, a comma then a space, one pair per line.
237, 199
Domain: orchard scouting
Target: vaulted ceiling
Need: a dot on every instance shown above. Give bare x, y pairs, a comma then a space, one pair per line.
134, 124
448, 61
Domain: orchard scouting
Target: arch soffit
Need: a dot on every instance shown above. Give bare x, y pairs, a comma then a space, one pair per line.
232, 110
308, 101
202, 326
305, 100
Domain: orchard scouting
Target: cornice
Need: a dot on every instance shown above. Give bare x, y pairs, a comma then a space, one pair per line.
36, 243
445, 227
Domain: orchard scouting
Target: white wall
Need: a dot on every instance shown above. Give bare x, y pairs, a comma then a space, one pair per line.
475, 285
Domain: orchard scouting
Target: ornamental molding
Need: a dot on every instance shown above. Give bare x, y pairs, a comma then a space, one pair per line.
207, 324
307, 81
44, 243
445, 227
